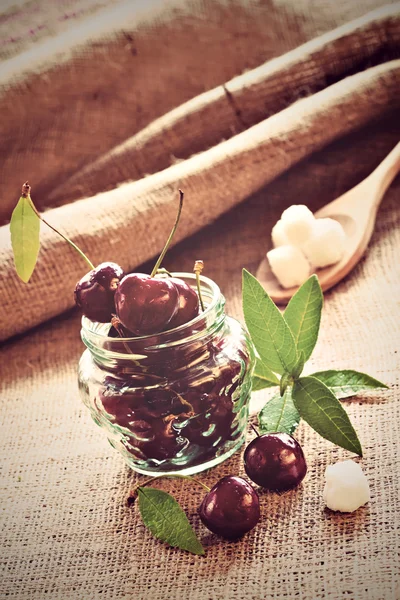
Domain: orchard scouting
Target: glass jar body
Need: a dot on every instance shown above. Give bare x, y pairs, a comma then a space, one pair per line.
173, 402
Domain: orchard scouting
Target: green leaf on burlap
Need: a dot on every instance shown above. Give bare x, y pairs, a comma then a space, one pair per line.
166, 520
347, 383
320, 408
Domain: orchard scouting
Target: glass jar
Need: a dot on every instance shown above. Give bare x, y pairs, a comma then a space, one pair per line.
176, 401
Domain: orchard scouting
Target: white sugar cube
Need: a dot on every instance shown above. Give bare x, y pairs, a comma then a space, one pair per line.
278, 235
297, 211
327, 243
289, 265
346, 487
297, 224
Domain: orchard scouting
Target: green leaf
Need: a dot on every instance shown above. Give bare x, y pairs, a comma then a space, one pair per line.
263, 377
348, 383
323, 412
303, 315
286, 379
298, 369
25, 227
267, 327
279, 414
166, 520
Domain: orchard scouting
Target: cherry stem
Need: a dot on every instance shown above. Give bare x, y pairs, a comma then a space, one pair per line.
151, 479
255, 430
26, 189
198, 267
163, 271
171, 235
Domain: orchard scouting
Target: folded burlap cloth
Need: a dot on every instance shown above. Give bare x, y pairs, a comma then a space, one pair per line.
73, 128
189, 97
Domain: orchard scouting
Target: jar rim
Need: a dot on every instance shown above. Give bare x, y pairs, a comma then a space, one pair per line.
92, 327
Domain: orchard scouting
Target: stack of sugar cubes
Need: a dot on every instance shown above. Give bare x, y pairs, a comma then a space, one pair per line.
302, 244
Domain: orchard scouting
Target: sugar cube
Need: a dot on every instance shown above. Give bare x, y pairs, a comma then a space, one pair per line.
327, 243
297, 224
289, 265
278, 235
297, 211
346, 487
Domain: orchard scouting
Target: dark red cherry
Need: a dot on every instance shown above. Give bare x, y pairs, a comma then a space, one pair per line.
145, 304
188, 304
94, 293
231, 508
275, 461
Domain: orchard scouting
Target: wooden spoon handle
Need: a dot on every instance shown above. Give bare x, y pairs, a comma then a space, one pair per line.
384, 174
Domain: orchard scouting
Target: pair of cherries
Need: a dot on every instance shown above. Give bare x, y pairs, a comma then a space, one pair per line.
143, 304
274, 461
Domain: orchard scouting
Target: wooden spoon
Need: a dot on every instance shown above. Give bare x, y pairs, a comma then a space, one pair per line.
356, 212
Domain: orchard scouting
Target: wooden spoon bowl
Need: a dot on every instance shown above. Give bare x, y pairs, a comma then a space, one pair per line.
356, 211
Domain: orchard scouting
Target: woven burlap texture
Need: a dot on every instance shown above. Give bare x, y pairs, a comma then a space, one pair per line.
114, 225
66, 530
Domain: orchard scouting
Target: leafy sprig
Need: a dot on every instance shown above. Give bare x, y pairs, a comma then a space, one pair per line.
284, 342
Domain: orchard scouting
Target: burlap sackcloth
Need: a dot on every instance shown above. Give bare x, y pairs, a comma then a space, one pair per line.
350, 76
66, 529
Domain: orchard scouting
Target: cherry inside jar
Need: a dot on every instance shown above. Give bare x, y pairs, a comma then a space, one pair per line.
176, 401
